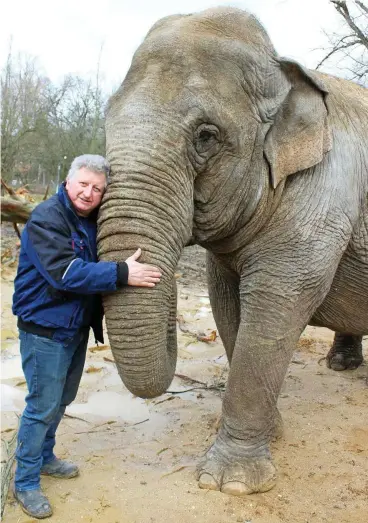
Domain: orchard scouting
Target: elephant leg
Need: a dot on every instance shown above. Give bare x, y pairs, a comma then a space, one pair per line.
345, 353
239, 462
223, 288
276, 304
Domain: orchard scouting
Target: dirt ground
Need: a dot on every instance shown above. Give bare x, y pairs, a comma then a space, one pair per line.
138, 457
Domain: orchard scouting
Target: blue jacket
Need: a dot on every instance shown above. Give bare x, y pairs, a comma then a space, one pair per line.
58, 271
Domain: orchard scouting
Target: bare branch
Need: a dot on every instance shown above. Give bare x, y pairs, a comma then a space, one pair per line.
362, 6
47, 192
8, 189
352, 46
335, 49
343, 10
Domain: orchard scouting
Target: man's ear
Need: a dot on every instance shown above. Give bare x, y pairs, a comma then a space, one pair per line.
300, 134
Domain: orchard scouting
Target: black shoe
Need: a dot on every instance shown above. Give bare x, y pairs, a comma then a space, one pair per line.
59, 468
33, 503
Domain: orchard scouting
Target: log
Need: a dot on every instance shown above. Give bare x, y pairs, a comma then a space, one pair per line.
7, 459
15, 210
17, 206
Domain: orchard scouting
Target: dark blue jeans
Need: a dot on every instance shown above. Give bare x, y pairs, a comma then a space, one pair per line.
53, 372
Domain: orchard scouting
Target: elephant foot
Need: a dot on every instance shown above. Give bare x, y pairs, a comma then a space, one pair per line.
345, 353
236, 470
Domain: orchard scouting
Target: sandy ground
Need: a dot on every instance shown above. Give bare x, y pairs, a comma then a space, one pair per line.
138, 458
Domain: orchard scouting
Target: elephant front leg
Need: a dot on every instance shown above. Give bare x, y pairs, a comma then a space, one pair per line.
239, 462
281, 286
223, 288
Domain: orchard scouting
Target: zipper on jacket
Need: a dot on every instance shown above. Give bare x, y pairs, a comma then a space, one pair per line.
83, 230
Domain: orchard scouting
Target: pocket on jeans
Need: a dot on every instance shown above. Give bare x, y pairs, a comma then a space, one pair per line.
43, 344
43, 338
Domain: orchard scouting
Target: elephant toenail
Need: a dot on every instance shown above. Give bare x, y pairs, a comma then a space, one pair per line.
337, 365
206, 481
236, 488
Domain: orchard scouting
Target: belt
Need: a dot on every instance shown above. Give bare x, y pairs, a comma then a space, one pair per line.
33, 328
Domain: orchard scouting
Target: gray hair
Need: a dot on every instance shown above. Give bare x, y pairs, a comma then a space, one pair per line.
93, 162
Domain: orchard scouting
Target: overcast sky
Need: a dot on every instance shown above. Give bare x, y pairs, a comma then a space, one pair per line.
68, 36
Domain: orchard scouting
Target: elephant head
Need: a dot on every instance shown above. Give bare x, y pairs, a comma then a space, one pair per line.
201, 137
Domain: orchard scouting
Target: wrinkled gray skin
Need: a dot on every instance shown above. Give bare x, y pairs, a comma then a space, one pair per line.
213, 136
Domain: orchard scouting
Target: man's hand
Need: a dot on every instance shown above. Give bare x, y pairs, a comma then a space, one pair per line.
140, 274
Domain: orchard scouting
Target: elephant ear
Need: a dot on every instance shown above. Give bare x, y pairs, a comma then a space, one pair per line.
300, 134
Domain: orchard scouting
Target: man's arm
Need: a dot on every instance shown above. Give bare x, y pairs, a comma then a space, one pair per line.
49, 247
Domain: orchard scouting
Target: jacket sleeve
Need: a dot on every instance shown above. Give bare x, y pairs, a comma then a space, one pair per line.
49, 248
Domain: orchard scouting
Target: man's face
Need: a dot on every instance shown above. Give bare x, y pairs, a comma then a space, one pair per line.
85, 190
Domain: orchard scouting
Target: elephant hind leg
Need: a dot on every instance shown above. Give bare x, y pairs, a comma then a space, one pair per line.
345, 353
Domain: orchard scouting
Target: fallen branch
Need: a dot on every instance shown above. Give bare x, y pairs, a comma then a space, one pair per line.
162, 450
139, 423
166, 399
6, 470
219, 387
98, 348
92, 368
9, 257
92, 431
105, 358
183, 326
75, 417
184, 391
15, 210
199, 336
179, 469
191, 380
17, 207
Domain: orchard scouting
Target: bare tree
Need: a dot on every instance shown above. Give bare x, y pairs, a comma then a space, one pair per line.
44, 126
76, 124
349, 49
24, 113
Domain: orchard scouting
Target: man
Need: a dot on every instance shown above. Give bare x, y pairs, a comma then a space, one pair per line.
57, 300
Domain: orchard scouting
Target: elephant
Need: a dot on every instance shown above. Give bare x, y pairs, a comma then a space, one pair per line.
215, 139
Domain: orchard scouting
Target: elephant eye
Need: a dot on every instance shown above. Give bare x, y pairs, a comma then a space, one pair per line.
206, 136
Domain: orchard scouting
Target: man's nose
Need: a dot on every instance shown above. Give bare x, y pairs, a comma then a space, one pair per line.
87, 191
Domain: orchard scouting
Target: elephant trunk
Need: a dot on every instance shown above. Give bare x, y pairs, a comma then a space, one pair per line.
141, 326
146, 205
